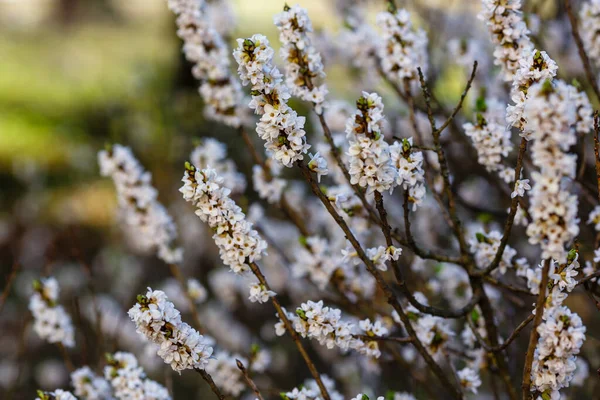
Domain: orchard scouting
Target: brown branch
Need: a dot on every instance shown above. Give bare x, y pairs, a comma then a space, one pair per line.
534, 336
206, 376
8, 285
511, 216
444, 167
511, 338
460, 102
587, 66
381, 283
597, 149
368, 338
288, 326
248, 379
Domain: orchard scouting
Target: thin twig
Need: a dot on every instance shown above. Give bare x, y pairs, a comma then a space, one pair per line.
248, 379
8, 285
381, 283
514, 206
395, 339
587, 66
206, 376
511, 338
597, 150
288, 326
460, 102
533, 337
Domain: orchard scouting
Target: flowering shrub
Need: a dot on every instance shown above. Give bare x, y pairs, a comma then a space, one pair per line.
414, 243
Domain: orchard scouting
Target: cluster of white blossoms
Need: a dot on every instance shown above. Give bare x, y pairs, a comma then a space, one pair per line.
403, 48
484, 248
152, 227
213, 154
259, 293
179, 345
594, 218
409, 167
534, 66
316, 259
325, 324
310, 390
58, 394
469, 379
196, 291
128, 379
590, 21
509, 33
205, 48
269, 187
280, 126
491, 137
433, 332
237, 241
90, 386
302, 61
225, 373
562, 334
51, 322
369, 154
551, 116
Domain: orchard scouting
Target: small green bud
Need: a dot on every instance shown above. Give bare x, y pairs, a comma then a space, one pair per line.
475, 316
571, 256
302, 240
364, 397
254, 349
300, 312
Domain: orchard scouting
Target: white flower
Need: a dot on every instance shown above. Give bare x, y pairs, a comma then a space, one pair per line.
179, 345
521, 185
235, 237
51, 322
90, 386
58, 394
371, 164
409, 170
198, 27
196, 291
508, 33
302, 60
151, 227
211, 153
280, 126
590, 20
403, 48
129, 381
469, 379
259, 293
318, 164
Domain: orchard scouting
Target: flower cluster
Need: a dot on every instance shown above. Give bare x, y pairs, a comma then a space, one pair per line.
268, 185
129, 381
90, 386
490, 137
51, 321
433, 332
590, 20
213, 154
310, 390
325, 324
550, 116
484, 248
403, 49
238, 243
562, 334
280, 126
152, 227
409, 167
58, 394
302, 61
508, 32
224, 371
179, 345
534, 66
469, 379
369, 154
206, 49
